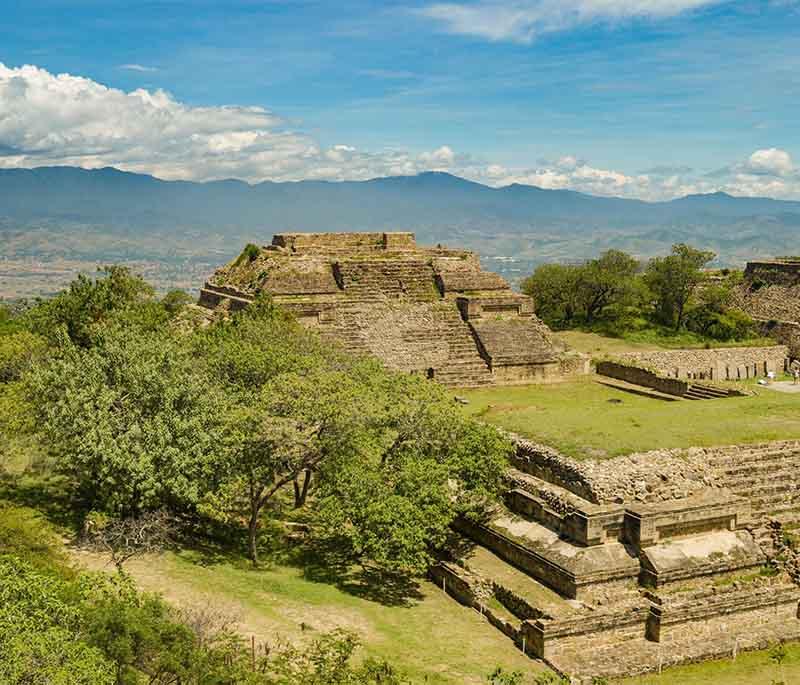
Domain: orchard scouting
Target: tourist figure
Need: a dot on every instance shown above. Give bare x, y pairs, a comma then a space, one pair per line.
796, 375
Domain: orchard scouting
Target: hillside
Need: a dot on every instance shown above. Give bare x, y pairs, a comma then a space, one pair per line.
62, 219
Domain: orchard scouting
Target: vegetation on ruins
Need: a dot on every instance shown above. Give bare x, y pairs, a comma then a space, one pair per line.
667, 297
228, 430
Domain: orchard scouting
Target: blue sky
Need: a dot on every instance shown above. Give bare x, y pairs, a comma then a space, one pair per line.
592, 94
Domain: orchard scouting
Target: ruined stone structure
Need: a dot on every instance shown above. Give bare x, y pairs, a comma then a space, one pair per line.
427, 310
723, 364
771, 296
623, 566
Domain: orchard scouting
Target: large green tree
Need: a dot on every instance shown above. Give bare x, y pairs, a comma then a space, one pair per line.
422, 464
130, 420
554, 289
566, 294
674, 280
605, 281
88, 302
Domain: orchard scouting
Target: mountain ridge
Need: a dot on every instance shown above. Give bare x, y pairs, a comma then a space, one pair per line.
183, 229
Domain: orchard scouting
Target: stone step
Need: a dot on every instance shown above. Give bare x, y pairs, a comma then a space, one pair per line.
755, 476
757, 467
752, 455
789, 514
783, 474
707, 390
777, 507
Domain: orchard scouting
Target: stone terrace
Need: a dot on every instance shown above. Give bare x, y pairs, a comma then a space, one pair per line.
424, 310
628, 565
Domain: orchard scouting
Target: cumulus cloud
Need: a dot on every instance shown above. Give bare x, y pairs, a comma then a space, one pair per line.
49, 119
570, 173
524, 20
771, 162
63, 119
765, 173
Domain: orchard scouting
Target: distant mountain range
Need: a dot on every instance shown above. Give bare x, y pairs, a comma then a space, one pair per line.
403, 202
109, 215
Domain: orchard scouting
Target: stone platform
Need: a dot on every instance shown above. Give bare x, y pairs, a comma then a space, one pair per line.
602, 581
432, 311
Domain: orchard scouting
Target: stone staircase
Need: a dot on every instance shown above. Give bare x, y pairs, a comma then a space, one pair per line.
458, 364
768, 475
700, 391
465, 367
618, 589
365, 280
346, 329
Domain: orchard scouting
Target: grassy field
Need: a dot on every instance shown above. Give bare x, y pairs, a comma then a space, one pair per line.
750, 668
579, 417
431, 637
428, 635
598, 345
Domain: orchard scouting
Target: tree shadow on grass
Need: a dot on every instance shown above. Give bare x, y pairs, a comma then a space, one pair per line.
327, 562
208, 543
48, 494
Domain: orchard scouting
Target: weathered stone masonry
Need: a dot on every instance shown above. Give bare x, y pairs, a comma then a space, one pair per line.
650, 559
425, 310
721, 364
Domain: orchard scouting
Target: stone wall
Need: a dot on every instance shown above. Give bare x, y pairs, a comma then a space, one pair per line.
578, 576
727, 363
782, 272
349, 241
588, 525
643, 377
785, 332
656, 476
524, 559
550, 465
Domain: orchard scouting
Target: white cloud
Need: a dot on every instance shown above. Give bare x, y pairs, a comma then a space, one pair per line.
772, 162
137, 67
524, 20
570, 173
68, 120
443, 158
766, 173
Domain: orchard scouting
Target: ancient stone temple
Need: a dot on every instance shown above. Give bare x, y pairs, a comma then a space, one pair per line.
428, 310
770, 294
619, 567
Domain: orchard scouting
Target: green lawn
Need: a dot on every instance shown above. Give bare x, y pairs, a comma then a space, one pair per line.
428, 635
598, 345
750, 668
579, 418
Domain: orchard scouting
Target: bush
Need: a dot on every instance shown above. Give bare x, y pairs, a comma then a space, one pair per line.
17, 351
249, 254
175, 300
27, 536
40, 627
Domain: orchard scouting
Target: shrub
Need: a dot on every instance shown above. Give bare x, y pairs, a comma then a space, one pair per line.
27, 536
249, 254
17, 351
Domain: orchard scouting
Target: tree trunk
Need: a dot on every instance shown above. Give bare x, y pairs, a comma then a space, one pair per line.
679, 322
252, 536
301, 492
